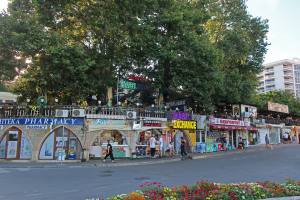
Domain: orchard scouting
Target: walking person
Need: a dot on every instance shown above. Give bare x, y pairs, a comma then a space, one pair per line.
161, 146
152, 146
267, 141
182, 148
171, 149
109, 152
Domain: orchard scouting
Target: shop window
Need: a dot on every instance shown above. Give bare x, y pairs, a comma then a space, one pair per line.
2, 147
61, 140
15, 145
144, 138
114, 136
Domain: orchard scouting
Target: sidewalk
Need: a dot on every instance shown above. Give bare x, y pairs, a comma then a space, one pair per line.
124, 162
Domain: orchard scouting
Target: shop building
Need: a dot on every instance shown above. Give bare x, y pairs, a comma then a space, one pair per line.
183, 126
41, 138
272, 130
226, 134
156, 128
128, 134
117, 131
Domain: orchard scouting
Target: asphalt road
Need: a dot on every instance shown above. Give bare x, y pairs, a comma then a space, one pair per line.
86, 182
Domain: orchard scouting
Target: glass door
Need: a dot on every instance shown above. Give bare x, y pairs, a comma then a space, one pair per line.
12, 145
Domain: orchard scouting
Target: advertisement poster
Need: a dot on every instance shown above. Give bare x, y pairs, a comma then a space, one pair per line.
118, 151
25, 151
2, 148
12, 149
47, 148
61, 141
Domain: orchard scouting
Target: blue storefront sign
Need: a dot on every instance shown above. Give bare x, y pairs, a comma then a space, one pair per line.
41, 121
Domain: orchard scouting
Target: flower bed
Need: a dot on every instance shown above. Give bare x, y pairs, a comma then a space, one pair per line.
213, 191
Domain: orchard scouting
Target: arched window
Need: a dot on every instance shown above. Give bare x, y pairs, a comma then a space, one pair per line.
61, 140
15, 145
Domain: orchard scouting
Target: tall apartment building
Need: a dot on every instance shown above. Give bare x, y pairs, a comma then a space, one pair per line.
280, 75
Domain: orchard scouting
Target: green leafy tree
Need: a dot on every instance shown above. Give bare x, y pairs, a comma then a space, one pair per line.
241, 38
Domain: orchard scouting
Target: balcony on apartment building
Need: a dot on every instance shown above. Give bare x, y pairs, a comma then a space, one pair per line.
288, 80
287, 68
288, 87
288, 74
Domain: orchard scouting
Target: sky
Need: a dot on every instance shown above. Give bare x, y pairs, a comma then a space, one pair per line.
284, 26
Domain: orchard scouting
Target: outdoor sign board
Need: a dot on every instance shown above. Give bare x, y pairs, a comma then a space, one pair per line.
125, 84
201, 121
181, 115
41, 121
150, 123
248, 111
184, 124
107, 123
276, 107
229, 122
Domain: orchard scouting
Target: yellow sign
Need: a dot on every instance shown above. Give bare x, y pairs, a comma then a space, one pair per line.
180, 124
192, 135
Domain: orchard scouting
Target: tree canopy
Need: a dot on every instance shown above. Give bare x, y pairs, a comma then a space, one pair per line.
205, 50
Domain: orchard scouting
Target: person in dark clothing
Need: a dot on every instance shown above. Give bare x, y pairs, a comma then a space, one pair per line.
182, 148
109, 152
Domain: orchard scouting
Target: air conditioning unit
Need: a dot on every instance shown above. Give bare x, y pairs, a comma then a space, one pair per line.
137, 125
61, 113
78, 113
131, 115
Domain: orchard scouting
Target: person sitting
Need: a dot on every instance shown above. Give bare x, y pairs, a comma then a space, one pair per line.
241, 144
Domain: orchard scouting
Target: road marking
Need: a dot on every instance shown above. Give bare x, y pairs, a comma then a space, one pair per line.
4, 171
34, 194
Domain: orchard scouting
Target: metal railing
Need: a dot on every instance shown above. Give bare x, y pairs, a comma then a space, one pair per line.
50, 111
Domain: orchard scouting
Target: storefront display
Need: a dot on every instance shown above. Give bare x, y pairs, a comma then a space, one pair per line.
274, 135
253, 138
116, 139
142, 148
119, 151
15, 145
61, 140
230, 133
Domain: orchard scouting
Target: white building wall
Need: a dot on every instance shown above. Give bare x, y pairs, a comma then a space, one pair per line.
279, 77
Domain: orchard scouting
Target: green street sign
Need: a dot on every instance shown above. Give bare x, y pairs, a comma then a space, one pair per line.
124, 84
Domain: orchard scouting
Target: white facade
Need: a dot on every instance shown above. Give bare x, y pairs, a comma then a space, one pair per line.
280, 75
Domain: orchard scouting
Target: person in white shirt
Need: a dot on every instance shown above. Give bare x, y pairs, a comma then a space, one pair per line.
161, 146
152, 146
